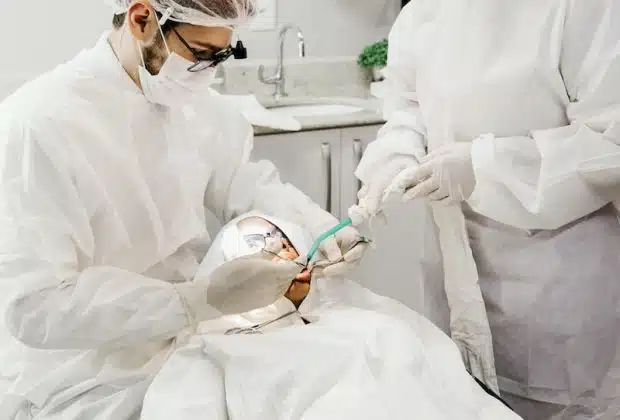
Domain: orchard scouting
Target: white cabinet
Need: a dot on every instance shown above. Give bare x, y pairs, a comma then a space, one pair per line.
322, 164
309, 160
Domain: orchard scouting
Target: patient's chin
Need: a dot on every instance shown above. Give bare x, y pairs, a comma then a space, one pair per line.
298, 292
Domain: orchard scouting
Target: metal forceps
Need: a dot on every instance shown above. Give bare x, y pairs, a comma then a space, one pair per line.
256, 329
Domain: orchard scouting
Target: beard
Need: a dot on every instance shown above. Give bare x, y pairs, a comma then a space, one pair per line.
155, 55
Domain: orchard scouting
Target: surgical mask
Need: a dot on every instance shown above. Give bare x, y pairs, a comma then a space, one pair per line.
174, 86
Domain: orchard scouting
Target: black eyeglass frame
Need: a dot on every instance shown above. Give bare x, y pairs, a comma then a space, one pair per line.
203, 61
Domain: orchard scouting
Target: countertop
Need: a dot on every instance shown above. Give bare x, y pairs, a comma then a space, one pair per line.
327, 122
368, 114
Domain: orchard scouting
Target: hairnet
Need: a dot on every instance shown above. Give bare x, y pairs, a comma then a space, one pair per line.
227, 13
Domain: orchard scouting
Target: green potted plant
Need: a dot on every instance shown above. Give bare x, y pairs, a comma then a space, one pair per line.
374, 57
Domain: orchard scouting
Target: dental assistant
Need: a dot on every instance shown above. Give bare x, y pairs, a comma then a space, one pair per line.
504, 116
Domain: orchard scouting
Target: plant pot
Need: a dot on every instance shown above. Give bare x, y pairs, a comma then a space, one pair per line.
376, 74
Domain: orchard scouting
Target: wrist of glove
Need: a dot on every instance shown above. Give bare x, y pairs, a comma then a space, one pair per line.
194, 300
376, 190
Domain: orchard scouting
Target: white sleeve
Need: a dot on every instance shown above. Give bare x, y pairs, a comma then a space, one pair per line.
558, 175
240, 185
401, 141
54, 298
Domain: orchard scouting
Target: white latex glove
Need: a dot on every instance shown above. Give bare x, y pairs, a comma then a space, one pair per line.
342, 252
373, 195
351, 247
358, 212
250, 282
445, 175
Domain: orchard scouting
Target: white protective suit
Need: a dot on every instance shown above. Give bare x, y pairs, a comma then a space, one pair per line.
106, 204
535, 85
362, 357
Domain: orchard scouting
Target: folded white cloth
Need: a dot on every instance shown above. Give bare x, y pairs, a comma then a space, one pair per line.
260, 116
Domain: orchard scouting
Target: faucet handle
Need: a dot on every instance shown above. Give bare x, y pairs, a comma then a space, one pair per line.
269, 80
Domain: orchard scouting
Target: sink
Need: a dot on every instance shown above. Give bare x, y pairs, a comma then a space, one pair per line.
315, 110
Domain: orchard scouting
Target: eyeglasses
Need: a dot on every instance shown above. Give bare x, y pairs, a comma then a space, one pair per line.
205, 59
258, 241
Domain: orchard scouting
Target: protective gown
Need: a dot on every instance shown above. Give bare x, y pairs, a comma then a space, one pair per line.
106, 207
535, 85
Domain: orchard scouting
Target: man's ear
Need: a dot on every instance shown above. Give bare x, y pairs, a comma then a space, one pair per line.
142, 21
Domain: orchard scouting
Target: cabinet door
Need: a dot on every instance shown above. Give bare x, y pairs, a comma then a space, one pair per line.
398, 265
308, 160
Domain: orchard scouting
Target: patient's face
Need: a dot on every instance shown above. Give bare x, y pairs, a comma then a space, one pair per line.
256, 233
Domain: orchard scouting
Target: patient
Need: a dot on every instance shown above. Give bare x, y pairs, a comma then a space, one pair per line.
341, 352
255, 232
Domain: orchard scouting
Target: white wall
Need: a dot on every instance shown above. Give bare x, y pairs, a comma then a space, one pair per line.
331, 27
37, 35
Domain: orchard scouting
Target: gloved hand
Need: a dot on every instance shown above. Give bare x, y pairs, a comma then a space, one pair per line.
359, 214
445, 175
373, 195
342, 252
250, 282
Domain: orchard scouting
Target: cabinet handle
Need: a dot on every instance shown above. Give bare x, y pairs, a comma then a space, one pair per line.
326, 150
357, 152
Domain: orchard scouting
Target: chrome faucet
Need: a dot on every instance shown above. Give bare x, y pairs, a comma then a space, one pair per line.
278, 79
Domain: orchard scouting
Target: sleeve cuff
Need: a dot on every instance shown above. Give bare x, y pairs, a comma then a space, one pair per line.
482, 157
194, 300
